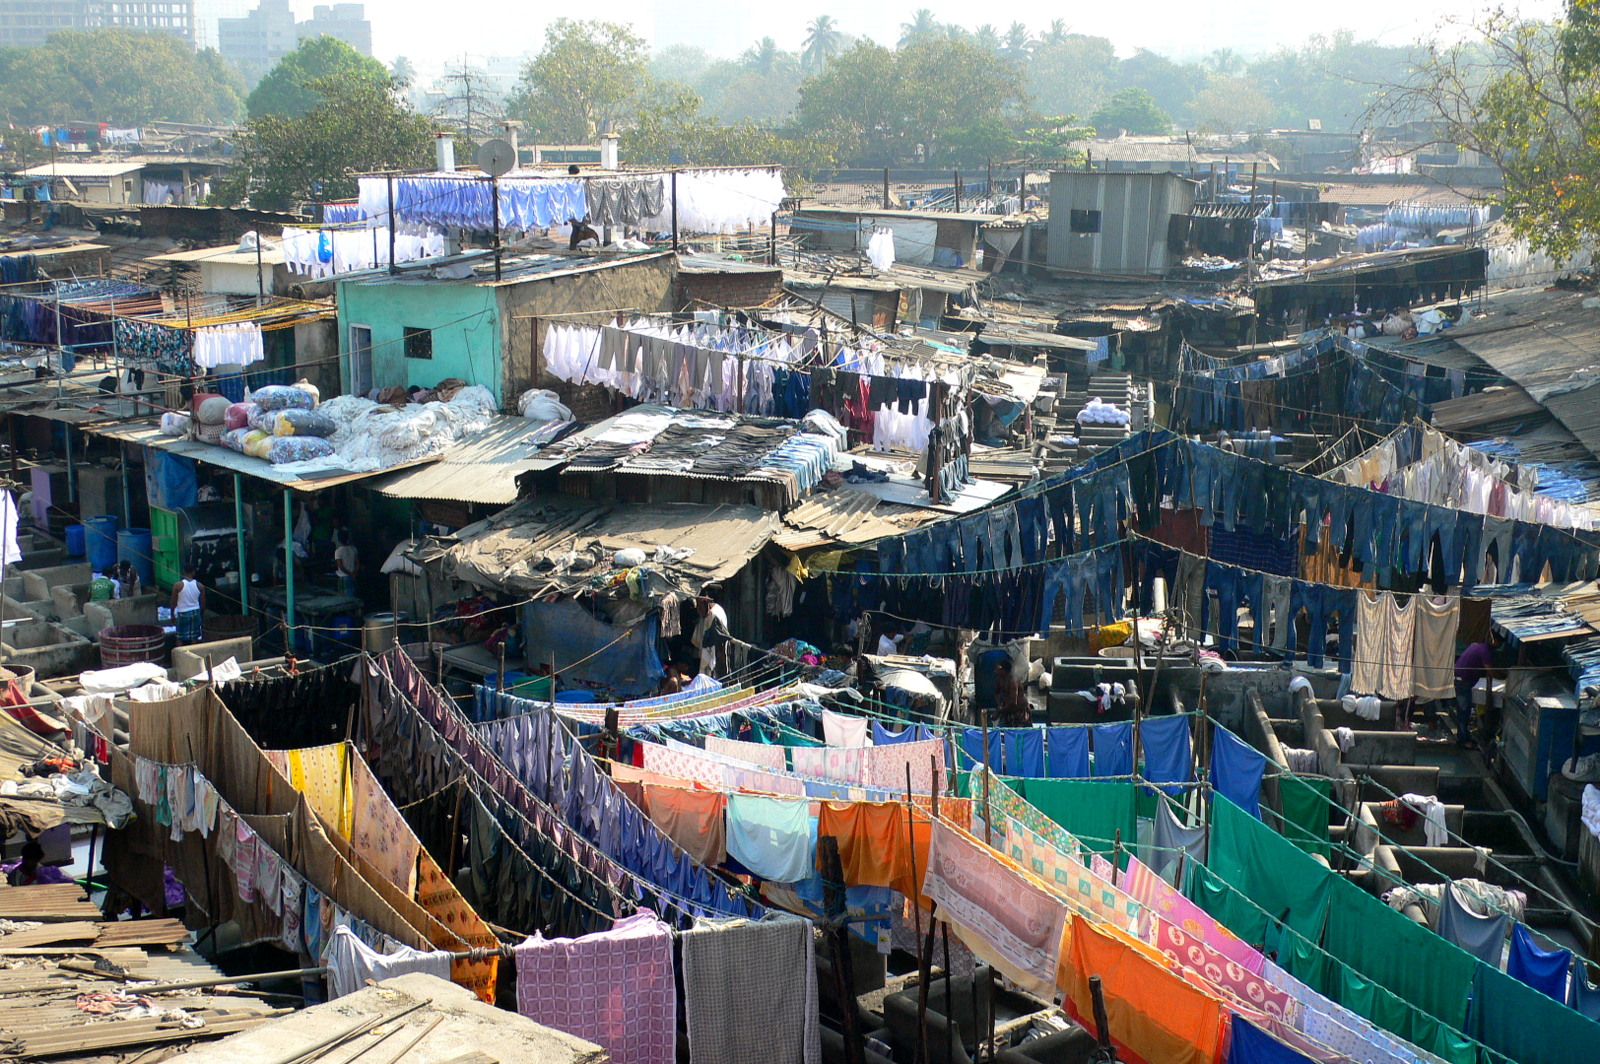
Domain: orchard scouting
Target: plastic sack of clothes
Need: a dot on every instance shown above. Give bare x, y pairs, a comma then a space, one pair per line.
1098, 413
309, 388
298, 423
283, 397
285, 449
541, 404
233, 439
198, 401
238, 415
213, 411
174, 424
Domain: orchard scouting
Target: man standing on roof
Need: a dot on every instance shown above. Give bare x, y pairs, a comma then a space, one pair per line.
711, 634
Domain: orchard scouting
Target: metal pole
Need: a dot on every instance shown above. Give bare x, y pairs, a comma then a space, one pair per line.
494, 196
390, 179
288, 570
674, 210
261, 282
772, 240
72, 480
955, 179
988, 825
244, 565
885, 188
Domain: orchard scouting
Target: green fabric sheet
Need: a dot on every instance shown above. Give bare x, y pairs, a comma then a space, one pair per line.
1511, 1017
1398, 953
1093, 811
1305, 812
1268, 869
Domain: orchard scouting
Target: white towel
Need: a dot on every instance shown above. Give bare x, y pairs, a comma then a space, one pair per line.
841, 730
1345, 738
1434, 832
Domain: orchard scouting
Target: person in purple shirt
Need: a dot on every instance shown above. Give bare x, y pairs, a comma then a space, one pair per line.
1475, 662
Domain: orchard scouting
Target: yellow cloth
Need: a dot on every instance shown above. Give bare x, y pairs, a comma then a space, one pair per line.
444, 902
1110, 635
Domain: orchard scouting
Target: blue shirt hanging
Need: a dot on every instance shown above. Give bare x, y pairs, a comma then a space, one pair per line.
1236, 770
1543, 969
1024, 749
1166, 751
1113, 749
1069, 753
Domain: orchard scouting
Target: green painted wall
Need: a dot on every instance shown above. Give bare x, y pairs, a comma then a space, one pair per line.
466, 331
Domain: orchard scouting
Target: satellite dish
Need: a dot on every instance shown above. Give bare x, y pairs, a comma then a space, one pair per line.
495, 157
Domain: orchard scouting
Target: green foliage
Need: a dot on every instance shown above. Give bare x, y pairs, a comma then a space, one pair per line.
1231, 105
1071, 73
1333, 79
1524, 95
287, 90
824, 40
1134, 110
125, 77
893, 107
670, 130
355, 127
588, 73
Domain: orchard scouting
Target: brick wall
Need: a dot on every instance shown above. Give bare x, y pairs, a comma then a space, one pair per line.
729, 289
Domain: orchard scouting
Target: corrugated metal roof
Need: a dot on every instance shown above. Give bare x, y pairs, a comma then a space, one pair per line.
70, 170
1485, 409
564, 544
481, 469
848, 516
1549, 344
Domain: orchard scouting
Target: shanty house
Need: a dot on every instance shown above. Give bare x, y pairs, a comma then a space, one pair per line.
1115, 223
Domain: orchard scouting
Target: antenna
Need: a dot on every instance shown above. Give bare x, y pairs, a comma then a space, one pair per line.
495, 157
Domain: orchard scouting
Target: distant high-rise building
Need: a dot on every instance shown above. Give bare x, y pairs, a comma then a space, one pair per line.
348, 22
31, 22
256, 42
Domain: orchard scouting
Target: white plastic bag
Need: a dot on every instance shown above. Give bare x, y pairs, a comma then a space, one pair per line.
541, 404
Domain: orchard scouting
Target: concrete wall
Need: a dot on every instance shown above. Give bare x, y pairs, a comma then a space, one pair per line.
466, 335
637, 284
1135, 210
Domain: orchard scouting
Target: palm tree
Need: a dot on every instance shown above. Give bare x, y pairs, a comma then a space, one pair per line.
402, 72
1018, 41
922, 27
823, 41
1057, 33
1224, 61
763, 56
988, 37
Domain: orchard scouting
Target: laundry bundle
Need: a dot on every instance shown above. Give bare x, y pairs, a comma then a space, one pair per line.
1097, 413
238, 415
283, 397
294, 422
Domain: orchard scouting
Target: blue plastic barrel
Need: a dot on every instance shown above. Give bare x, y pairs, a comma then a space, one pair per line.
74, 541
574, 694
101, 542
135, 545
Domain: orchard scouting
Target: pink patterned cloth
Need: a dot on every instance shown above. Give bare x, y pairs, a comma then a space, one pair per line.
1012, 915
379, 832
839, 763
755, 753
1167, 904
1193, 953
244, 861
613, 988
886, 766
672, 762
735, 778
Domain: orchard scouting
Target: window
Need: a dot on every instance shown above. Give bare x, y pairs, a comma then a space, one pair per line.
1085, 221
418, 342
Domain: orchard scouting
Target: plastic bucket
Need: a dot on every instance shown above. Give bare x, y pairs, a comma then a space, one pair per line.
135, 545
128, 644
75, 541
100, 542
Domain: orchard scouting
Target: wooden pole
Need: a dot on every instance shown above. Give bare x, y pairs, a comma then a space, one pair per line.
955, 177
674, 210
393, 269
885, 188
924, 946
988, 826
833, 906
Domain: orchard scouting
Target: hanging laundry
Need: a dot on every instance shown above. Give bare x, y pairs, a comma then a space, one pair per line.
1435, 643
352, 962
221, 345
1069, 753
1482, 936
1167, 756
839, 729
613, 988
1544, 970
694, 819
770, 836
750, 991
1237, 769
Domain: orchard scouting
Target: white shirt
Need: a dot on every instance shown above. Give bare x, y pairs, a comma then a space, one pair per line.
714, 614
348, 558
887, 646
188, 595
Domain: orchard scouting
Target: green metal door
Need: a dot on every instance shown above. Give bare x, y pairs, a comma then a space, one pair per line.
164, 546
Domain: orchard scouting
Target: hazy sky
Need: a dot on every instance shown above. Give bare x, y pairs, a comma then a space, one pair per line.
432, 35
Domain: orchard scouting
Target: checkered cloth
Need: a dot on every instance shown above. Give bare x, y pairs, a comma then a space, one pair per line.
613, 988
190, 626
750, 991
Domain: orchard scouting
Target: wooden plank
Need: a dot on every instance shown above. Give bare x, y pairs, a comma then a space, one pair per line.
50, 934
162, 932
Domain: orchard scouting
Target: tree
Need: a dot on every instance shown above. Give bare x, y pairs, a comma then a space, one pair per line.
684, 64
1071, 75
402, 72
823, 41
1231, 105
1332, 79
764, 57
1056, 33
1133, 110
1526, 96
286, 90
922, 27
670, 130
355, 127
987, 36
1018, 42
1171, 85
588, 74
882, 107
125, 77
1224, 61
